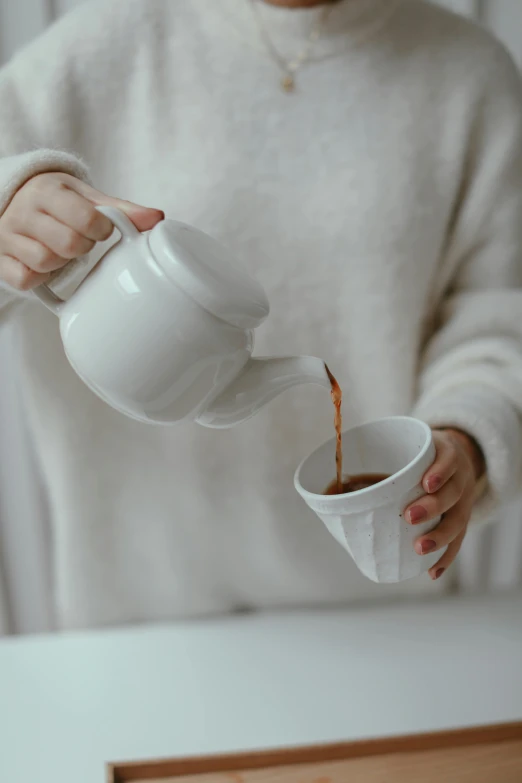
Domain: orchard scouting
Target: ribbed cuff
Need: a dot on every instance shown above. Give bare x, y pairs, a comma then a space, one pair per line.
491, 420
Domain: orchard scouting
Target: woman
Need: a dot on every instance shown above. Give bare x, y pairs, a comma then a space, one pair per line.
364, 160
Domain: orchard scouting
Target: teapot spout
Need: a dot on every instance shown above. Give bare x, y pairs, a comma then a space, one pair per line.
260, 381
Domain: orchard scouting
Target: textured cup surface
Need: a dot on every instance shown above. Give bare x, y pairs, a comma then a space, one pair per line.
369, 523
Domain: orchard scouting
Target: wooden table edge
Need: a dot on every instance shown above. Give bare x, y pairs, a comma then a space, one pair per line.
125, 772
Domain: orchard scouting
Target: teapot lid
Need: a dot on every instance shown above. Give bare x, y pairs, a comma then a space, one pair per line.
201, 267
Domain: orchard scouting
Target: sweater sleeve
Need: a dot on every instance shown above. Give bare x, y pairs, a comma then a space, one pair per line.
471, 369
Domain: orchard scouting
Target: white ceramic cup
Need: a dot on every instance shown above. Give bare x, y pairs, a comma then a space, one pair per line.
369, 523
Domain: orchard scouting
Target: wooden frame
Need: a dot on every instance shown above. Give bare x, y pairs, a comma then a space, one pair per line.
171, 768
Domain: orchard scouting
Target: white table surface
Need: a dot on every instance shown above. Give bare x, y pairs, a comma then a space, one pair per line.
70, 703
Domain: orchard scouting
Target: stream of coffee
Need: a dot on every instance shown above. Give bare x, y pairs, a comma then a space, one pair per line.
337, 399
340, 486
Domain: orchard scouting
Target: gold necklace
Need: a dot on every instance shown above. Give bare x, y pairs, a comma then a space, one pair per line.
289, 68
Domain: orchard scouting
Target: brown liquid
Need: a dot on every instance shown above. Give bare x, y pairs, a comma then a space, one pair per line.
352, 483
355, 483
337, 399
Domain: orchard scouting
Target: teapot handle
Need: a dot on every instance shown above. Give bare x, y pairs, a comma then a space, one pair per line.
127, 230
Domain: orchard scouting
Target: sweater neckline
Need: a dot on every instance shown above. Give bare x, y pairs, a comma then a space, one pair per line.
349, 23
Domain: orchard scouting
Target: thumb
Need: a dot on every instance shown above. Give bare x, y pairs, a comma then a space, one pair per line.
144, 218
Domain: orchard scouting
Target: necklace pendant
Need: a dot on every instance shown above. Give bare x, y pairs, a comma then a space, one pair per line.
288, 83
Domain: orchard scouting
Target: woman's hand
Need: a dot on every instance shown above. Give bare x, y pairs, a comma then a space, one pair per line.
51, 220
450, 484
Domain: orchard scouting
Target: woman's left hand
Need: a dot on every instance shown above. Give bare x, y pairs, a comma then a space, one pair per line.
450, 484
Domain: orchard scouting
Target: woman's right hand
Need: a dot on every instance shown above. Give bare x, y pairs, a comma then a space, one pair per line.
50, 221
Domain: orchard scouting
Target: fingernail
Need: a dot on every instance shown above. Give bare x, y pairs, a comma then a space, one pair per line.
423, 547
434, 483
439, 572
417, 514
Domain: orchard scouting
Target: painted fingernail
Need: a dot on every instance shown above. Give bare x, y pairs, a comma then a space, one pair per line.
417, 514
423, 547
439, 572
434, 483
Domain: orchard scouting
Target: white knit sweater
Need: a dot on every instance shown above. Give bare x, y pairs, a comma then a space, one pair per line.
381, 207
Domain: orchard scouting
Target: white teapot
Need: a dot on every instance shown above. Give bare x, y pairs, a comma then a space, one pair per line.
162, 329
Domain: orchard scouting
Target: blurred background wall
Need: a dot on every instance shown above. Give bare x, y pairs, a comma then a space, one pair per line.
491, 559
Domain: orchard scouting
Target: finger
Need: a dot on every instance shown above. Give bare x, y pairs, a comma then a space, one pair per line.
446, 531
448, 557
32, 254
62, 240
432, 506
444, 466
19, 276
144, 218
80, 214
